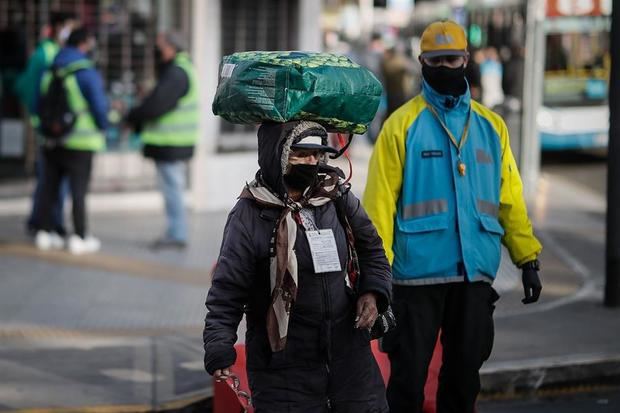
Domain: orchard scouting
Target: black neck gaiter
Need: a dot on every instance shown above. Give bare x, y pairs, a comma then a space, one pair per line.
446, 80
300, 177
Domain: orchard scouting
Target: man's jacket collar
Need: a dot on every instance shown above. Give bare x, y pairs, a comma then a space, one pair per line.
445, 102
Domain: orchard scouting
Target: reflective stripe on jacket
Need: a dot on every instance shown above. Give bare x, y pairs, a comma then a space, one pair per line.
179, 127
85, 135
437, 225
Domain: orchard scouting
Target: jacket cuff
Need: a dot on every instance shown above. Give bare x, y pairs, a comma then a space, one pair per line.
383, 300
219, 358
527, 258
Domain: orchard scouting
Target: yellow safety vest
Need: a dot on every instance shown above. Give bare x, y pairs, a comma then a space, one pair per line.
85, 135
179, 127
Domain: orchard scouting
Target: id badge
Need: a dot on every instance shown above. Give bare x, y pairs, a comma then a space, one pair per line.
324, 251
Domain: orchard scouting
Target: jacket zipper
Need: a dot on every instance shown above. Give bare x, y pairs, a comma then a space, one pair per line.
326, 303
326, 298
328, 326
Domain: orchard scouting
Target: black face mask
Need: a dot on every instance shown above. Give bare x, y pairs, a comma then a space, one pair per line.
157, 54
446, 80
301, 176
159, 61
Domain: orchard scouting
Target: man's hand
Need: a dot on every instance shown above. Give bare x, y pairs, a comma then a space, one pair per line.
221, 374
366, 311
531, 283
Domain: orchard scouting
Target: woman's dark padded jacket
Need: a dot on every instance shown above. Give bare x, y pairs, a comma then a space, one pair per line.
241, 277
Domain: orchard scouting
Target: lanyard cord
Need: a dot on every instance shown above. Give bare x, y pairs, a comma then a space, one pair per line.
458, 145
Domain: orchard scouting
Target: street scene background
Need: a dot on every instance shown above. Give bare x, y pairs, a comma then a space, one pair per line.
120, 329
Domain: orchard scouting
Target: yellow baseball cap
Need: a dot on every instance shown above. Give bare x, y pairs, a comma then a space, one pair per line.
443, 38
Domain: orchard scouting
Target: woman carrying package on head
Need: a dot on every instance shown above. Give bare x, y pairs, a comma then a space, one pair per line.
285, 253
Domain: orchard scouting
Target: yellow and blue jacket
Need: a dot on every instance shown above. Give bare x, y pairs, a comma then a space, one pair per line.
437, 225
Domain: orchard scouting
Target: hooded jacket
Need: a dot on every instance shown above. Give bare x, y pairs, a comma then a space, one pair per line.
241, 279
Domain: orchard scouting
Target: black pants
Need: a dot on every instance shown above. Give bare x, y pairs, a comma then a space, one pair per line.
77, 165
464, 313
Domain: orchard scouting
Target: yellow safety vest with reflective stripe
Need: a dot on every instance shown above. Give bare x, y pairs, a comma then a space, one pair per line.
85, 135
179, 127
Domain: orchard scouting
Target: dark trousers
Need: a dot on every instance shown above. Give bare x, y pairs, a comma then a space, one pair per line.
76, 165
350, 385
57, 208
464, 313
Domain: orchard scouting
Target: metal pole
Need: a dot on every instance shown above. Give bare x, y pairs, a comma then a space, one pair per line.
366, 19
529, 157
308, 16
206, 54
612, 279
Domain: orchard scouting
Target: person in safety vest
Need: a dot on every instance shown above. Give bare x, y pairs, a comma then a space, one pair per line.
72, 156
167, 120
26, 88
444, 193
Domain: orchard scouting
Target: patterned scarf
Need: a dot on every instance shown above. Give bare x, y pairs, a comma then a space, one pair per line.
283, 261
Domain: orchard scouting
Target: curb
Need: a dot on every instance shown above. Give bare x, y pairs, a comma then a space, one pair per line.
196, 402
534, 375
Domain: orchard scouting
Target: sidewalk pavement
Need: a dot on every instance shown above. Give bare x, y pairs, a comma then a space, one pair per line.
121, 330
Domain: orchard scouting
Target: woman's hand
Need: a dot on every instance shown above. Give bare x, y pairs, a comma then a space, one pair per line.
221, 374
366, 311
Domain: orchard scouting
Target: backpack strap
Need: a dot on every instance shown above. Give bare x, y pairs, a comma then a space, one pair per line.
353, 265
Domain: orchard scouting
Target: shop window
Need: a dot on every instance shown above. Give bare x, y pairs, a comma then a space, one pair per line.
254, 25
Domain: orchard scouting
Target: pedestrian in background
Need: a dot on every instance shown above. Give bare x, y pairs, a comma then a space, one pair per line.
472, 74
167, 120
308, 339
444, 192
27, 87
491, 73
372, 59
398, 76
72, 157
514, 70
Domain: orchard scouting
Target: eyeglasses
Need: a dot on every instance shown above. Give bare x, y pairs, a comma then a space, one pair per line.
304, 153
449, 61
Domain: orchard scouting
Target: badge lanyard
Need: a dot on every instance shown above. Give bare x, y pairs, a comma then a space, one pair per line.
460, 166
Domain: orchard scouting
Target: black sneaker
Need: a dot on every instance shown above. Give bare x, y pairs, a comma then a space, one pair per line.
167, 243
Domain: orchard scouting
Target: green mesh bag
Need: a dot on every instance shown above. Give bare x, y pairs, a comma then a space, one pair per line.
282, 86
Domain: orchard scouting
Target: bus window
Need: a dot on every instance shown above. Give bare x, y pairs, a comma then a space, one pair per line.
576, 64
575, 114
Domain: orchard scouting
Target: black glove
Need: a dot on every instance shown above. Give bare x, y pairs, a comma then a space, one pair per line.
531, 282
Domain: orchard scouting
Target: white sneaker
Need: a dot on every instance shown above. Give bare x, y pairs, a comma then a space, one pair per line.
49, 241
78, 245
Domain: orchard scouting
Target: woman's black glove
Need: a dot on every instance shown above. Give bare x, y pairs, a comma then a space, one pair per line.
531, 281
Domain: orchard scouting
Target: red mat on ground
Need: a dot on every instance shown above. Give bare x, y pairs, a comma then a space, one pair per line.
230, 396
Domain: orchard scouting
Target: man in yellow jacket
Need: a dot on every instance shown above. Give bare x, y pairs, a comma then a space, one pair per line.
444, 193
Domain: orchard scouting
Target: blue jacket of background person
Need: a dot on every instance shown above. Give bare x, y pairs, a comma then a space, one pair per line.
90, 83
